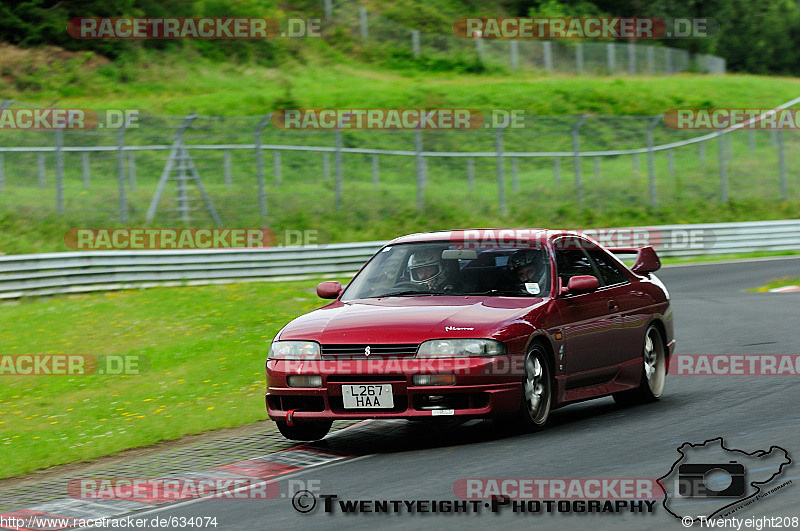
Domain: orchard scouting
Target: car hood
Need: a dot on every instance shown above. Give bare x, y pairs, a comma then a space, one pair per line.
409, 319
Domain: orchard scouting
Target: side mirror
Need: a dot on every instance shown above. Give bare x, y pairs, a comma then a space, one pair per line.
329, 289
647, 261
582, 284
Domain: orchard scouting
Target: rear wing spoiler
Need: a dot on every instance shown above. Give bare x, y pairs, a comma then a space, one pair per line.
647, 260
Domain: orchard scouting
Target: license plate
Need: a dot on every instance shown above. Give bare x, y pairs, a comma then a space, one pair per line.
368, 396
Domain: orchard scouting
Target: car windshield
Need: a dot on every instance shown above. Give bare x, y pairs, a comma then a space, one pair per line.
436, 269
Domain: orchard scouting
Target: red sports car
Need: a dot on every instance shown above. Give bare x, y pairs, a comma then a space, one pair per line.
486, 323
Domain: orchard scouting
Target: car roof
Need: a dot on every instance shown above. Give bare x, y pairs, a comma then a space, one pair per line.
481, 234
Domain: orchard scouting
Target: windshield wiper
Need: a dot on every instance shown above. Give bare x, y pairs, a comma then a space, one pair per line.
506, 292
408, 293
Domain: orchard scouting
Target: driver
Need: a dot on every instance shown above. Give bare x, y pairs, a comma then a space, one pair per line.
426, 268
528, 266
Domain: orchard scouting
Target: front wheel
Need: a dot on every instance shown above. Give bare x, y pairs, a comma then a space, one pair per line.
654, 372
309, 431
537, 392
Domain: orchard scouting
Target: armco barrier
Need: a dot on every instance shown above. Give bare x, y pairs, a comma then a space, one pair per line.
75, 272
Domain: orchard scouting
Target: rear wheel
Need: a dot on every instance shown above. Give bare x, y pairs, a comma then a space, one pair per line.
307, 431
651, 385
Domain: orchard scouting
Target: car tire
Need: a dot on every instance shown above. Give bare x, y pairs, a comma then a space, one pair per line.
651, 385
307, 431
537, 393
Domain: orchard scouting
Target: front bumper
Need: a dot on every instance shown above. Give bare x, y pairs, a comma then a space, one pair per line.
484, 387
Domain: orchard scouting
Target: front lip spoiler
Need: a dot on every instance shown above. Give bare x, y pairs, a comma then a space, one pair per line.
503, 400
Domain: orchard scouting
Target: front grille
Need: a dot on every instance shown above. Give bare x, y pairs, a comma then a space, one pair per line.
358, 352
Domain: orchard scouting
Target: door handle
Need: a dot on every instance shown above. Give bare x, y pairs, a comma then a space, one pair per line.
612, 306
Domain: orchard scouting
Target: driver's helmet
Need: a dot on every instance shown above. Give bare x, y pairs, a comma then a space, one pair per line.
525, 264
425, 266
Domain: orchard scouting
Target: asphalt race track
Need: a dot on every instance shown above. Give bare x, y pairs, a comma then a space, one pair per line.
410, 461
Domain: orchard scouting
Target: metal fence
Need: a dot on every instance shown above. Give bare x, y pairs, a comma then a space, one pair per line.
76, 272
243, 171
581, 57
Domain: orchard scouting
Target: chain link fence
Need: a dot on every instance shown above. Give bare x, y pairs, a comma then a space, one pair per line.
579, 57
243, 171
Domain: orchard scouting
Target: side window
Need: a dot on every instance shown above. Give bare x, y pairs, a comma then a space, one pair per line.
611, 271
571, 263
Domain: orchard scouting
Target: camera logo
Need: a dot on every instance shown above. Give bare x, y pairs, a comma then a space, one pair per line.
703, 481
710, 480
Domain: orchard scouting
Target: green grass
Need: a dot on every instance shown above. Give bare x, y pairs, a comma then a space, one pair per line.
206, 346
778, 283
180, 85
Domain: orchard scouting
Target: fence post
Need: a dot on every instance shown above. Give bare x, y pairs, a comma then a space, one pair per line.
60, 171
420, 168
362, 17
501, 186
668, 61
671, 162
635, 161
547, 48
515, 174
471, 173
132, 169
415, 42
579, 57
226, 168
723, 174
338, 168
375, 171
326, 166
3, 105
123, 198
328, 10
701, 152
782, 166
478, 45
611, 54
276, 166
651, 163
651, 60
262, 194
513, 50
85, 168
557, 170
40, 169
631, 59
597, 169
576, 159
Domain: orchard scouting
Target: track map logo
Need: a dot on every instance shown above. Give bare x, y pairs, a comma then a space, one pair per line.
710, 480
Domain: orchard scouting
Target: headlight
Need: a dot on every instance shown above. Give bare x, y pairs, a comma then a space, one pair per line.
294, 350
460, 348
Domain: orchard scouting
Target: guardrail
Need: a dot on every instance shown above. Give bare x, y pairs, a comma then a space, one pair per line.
76, 272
